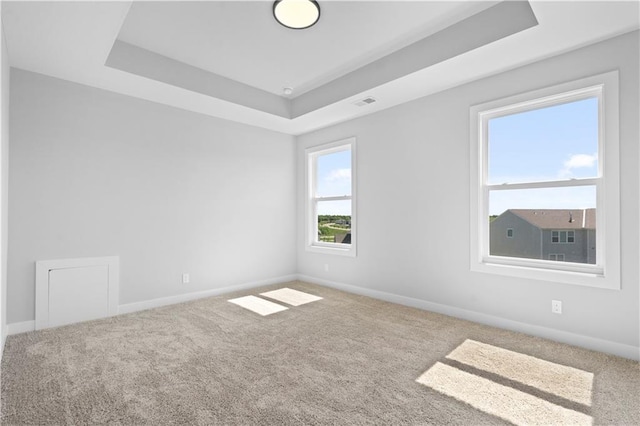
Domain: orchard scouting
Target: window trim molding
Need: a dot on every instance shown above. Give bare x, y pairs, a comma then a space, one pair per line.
311, 226
606, 272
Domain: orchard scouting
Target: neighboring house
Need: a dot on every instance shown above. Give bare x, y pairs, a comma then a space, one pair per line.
561, 235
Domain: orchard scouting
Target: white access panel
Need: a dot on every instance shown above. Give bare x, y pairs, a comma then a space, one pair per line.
74, 290
78, 294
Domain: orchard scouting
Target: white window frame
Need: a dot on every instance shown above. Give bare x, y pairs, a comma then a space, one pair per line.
311, 156
606, 272
509, 229
557, 257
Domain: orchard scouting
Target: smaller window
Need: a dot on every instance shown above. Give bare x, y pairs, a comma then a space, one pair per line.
554, 237
571, 236
558, 257
331, 198
509, 233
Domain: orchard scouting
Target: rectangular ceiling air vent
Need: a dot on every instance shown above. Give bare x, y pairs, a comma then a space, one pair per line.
366, 101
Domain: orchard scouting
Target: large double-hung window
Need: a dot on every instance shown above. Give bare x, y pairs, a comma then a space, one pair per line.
330, 191
545, 184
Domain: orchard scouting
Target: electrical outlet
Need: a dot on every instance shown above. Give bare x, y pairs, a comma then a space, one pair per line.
326, 267
185, 278
556, 306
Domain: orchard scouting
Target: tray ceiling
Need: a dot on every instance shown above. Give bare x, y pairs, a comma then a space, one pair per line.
230, 59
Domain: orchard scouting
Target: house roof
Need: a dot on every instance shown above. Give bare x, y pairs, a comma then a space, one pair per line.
558, 219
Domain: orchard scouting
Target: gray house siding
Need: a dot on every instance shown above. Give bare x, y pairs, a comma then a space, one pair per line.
591, 246
525, 241
573, 252
511, 235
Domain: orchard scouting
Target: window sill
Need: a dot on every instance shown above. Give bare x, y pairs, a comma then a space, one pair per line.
337, 250
588, 277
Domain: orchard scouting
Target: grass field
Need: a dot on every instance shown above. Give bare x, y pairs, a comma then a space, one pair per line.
328, 228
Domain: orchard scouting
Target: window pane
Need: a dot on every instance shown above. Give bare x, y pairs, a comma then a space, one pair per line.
557, 142
334, 221
333, 174
577, 197
545, 222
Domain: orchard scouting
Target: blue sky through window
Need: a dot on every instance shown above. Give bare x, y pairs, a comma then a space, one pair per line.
576, 197
553, 143
334, 179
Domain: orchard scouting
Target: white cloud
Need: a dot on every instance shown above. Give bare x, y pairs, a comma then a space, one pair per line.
578, 161
338, 174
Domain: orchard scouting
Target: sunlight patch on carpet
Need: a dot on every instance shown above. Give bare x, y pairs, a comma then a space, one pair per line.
560, 380
258, 305
291, 297
501, 401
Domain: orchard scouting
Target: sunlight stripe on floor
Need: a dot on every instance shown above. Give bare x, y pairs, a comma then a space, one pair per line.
566, 382
291, 297
501, 401
258, 305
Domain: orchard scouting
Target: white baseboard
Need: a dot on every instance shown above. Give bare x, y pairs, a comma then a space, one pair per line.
593, 343
179, 298
20, 327
26, 326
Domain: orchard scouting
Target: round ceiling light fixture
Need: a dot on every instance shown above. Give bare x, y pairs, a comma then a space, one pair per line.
296, 14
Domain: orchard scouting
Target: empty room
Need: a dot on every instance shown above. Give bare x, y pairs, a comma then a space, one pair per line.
320, 212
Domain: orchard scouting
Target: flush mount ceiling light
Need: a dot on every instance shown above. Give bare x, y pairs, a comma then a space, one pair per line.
296, 14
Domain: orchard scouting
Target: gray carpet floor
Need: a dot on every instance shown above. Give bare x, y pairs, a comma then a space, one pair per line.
345, 359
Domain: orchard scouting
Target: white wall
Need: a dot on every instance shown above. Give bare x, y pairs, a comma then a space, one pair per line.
95, 173
4, 181
413, 208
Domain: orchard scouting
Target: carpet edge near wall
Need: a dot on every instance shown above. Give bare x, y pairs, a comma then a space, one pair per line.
127, 308
580, 340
